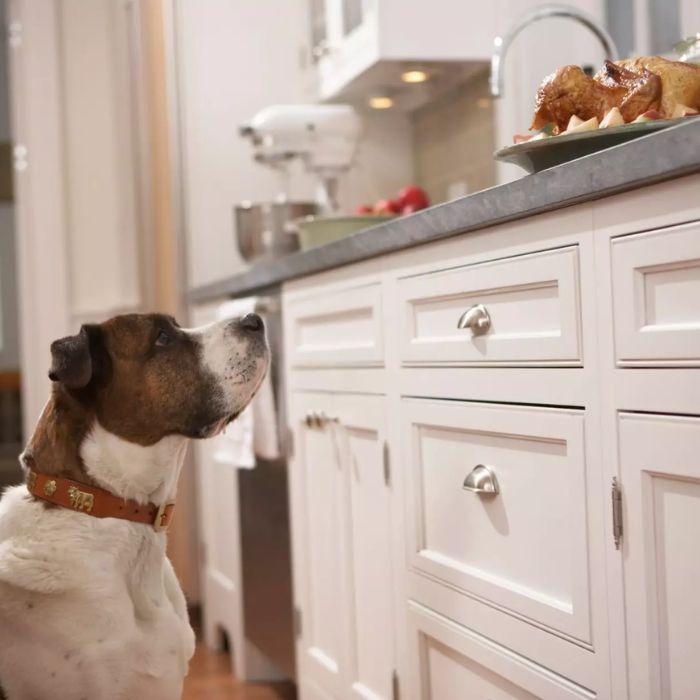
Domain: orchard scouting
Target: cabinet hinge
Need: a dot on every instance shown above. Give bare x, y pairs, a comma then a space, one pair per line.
395, 694
616, 498
297, 622
387, 464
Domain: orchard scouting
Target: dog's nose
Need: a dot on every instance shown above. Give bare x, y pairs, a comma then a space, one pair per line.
252, 322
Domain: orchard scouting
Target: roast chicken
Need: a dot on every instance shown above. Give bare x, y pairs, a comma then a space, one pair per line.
634, 86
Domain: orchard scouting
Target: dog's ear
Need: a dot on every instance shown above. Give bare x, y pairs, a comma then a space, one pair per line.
72, 360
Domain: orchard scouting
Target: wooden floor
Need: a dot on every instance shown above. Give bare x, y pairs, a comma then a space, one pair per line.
210, 679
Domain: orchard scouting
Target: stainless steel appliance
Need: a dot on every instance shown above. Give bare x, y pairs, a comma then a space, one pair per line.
265, 533
266, 229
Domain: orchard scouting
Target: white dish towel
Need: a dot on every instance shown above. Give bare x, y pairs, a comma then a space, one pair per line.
254, 433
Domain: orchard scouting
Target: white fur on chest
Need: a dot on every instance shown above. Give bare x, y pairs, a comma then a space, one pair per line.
91, 607
144, 473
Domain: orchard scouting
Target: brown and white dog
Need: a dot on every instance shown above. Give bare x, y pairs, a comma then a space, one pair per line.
90, 606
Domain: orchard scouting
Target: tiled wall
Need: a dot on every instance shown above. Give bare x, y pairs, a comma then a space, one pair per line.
454, 141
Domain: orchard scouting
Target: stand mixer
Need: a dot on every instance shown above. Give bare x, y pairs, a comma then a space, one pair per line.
323, 137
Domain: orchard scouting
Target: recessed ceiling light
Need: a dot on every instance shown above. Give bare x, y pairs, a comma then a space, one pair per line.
381, 102
414, 76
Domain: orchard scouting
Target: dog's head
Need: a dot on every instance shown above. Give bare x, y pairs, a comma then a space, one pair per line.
143, 377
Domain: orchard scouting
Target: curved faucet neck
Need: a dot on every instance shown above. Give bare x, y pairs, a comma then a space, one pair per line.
502, 43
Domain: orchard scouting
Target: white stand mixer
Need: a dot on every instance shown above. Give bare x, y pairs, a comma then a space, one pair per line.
323, 137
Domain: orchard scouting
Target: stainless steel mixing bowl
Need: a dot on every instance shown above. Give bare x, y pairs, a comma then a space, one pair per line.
266, 229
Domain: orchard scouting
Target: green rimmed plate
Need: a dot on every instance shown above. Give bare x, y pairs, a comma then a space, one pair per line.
534, 156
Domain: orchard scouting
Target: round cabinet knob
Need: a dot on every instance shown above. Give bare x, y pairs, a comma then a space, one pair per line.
482, 480
476, 318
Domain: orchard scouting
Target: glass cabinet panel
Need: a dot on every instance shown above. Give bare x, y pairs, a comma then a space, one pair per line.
352, 15
318, 29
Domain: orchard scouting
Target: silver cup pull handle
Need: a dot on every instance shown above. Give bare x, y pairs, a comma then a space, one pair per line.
482, 480
475, 318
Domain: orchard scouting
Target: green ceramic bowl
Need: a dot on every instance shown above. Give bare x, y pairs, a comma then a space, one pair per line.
319, 230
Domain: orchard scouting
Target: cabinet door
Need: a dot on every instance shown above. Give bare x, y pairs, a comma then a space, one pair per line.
342, 531
320, 556
660, 472
361, 428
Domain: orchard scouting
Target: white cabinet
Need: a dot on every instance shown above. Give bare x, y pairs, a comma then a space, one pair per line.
450, 662
343, 549
349, 39
588, 372
501, 547
660, 476
656, 293
531, 304
322, 556
343, 327
219, 523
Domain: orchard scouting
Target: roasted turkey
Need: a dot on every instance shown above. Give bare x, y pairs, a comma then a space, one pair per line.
634, 86
680, 82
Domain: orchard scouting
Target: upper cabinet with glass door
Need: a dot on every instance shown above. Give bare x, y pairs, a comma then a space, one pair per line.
357, 46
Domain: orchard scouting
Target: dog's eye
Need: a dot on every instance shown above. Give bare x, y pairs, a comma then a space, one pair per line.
163, 339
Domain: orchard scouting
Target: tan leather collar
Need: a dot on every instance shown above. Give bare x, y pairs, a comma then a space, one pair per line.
96, 501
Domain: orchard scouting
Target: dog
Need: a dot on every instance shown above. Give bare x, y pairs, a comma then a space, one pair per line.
90, 607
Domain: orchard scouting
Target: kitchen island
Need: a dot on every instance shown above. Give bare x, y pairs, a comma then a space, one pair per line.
495, 415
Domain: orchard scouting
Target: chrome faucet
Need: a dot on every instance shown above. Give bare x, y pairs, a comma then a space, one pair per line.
502, 43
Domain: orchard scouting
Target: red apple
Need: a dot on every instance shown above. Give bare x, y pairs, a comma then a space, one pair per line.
363, 210
387, 206
409, 209
414, 196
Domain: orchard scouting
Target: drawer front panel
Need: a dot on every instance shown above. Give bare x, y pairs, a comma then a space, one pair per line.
656, 293
452, 662
532, 302
339, 328
524, 549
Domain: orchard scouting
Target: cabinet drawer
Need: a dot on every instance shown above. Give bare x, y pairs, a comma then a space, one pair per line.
524, 549
656, 294
532, 302
336, 329
451, 662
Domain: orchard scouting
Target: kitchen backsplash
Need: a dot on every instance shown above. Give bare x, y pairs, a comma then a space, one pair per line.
454, 141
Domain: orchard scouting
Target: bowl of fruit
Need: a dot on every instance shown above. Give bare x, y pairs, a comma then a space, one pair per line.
320, 230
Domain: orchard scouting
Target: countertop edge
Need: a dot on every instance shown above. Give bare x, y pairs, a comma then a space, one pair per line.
674, 152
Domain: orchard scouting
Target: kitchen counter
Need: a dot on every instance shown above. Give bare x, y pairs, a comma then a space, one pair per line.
645, 161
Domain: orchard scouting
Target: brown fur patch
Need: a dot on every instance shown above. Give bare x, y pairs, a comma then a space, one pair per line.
141, 389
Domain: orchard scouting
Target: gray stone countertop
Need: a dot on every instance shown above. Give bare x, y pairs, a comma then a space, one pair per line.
660, 156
